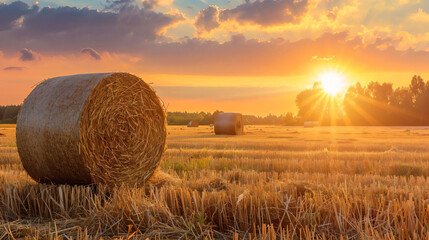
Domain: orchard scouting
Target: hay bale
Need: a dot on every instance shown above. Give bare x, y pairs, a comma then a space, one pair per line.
193, 124
105, 128
229, 124
308, 124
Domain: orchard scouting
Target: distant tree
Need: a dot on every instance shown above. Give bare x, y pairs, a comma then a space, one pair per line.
183, 118
316, 105
380, 92
289, 119
422, 106
402, 97
417, 86
267, 120
355, 106
310, 104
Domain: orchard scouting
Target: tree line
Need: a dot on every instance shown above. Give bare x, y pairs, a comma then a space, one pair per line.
377, 104
206, 118
9, 114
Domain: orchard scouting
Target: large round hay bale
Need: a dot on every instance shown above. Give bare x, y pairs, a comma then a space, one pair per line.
105, 128
229, 124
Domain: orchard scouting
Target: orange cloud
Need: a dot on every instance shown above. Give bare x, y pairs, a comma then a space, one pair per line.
420, 16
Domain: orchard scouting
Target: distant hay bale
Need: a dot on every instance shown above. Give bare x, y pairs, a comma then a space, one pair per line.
308, 124
105, 128
229, 124
193, 124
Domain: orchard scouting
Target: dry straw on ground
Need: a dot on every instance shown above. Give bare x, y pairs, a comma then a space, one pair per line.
94, 128
229, 124
327, 183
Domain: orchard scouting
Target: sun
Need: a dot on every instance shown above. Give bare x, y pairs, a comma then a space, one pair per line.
332, 82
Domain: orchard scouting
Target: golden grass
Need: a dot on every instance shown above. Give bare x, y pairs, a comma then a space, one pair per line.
272, 183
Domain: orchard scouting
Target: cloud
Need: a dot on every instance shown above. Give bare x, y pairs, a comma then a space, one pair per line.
13, 68
27, 55
240, 56
91, 52
266, 13
11, 13
150, 4
332, 15
420, 16
116, 4
147, 4
207, 19
278, 57
122, 29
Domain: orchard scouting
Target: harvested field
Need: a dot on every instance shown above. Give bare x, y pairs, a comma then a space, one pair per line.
274, 182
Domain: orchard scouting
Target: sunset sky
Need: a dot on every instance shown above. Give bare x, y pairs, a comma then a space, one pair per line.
202, 55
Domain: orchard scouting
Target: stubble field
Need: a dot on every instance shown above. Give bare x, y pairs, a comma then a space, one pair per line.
275, 182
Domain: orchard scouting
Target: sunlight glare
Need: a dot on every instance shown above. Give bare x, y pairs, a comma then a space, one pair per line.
332, 82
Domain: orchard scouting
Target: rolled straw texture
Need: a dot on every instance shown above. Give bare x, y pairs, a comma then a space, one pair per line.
229, 124
107, 128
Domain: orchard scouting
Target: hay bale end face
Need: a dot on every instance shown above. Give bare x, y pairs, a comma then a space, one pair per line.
105, 128
229, 124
